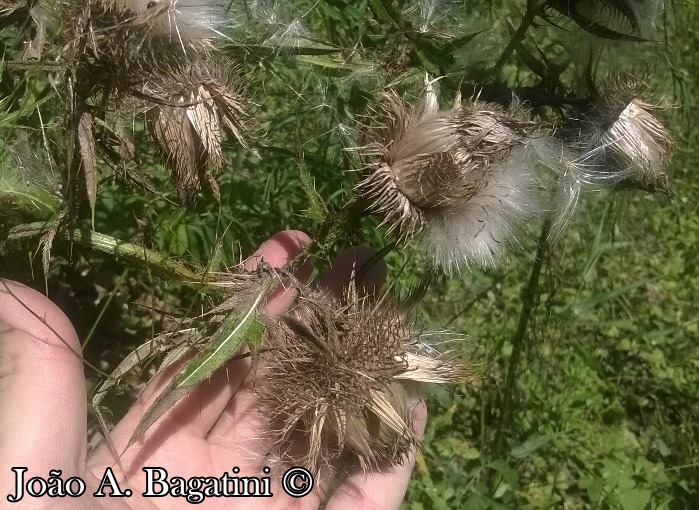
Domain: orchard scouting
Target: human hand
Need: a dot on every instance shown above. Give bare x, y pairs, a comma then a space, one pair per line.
216, 427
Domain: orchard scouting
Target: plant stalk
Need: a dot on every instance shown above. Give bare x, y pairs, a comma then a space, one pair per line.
159, 264
529, 297
527, 21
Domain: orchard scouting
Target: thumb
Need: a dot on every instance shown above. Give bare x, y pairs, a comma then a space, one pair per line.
42, 388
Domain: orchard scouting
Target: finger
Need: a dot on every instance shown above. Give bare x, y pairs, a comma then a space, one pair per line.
383, 489
194, 415
360, 264
42, 385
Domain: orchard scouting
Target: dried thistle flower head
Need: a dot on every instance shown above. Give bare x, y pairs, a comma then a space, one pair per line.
620, 140
615, 140
187, 95
337, 374
639, 145
464, 176
181, 21
116, 53
191, 107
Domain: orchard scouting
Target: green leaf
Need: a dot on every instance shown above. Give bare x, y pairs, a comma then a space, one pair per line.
317, 209
237, 330
634, 499
503, 468
334, 63
385, 12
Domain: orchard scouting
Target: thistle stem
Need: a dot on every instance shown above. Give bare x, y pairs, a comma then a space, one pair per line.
527, 21
529, 295
159, 264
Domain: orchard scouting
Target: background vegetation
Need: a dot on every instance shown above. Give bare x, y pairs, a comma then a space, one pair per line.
594, 407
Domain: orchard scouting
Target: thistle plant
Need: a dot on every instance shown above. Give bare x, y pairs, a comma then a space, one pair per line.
182, 21
621, 139
220, 122
465, 175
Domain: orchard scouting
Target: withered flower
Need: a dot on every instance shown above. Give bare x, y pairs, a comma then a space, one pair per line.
619, 139
191, 107
129, 64
337, 375
464, 176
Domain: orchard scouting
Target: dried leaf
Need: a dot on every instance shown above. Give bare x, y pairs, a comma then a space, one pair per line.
178, 142
88, 159
204, 119
230, 107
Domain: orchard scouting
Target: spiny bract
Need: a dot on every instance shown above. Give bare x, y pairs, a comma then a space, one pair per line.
337, 375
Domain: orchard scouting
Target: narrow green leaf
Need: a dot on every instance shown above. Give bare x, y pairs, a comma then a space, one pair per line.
236, 331
333, 63
167, 398
317, 209
503, 468
601, 298
385, 12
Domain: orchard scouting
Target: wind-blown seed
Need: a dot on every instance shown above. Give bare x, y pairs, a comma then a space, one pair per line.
615, 140
639, 146
618, 139
180, 21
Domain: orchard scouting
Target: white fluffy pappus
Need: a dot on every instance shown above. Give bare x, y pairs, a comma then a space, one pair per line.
478, 230
179, 20
617, 139
614, 141
464, 177
574, 170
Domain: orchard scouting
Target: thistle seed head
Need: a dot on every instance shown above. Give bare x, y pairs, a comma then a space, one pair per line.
191, 107
461, 175
119, 54
337, 374
640, 147
187, 96
621, 140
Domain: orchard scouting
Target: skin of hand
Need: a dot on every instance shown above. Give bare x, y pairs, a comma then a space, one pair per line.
43, 408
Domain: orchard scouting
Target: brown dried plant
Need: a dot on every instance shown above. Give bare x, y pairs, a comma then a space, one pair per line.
464, 176
339, 374
619, 139
122, 63
193, 105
